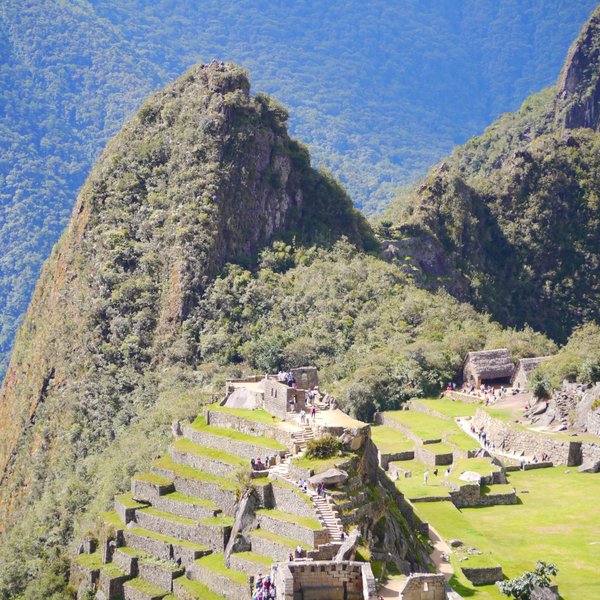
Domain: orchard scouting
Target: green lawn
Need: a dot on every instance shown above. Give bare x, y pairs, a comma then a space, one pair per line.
414, 487
461, 440
291, 518
197, 589
318, 465
423, 426
179, 497
216, 563
558, 520
167, 463
258, 415
448, 407
259, 559
145, 587
186, 446
200, 425
389, 440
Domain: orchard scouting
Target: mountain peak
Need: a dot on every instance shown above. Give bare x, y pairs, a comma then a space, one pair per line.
578, 89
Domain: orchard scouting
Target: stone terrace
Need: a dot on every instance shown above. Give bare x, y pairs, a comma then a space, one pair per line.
170, 536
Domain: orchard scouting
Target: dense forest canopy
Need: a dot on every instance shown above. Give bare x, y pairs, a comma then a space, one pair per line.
379, 91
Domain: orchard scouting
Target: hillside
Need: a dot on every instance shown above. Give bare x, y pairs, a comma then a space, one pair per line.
161, 287
378, 92
514, 212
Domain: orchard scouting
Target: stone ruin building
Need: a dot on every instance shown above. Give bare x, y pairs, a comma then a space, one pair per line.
524, 368
488, 367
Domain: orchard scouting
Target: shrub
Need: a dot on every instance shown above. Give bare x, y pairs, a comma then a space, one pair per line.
521, 587
540, 384
323, 447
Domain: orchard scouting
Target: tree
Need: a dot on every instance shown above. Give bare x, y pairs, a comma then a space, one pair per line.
522, 586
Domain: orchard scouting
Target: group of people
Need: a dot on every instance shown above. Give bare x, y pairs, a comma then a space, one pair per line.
303, 485
286, 377
435, 473
258, 465
265, 588
304, 417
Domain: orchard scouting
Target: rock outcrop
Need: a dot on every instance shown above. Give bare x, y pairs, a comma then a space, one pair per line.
578, 93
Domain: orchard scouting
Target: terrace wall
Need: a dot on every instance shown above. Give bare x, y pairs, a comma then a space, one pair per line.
528, 443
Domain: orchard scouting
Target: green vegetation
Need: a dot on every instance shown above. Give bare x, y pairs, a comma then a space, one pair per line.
152, 478
218, 521
259, 415
113, 571
146, 587
111, 518
325, 446
63, 103
490, 212
259, 559
278, 539
318, 465
448, 407
198, 590
167, 463
423, 426
551, 513
161, 514
200, 425
185, 445
390, 440
521, 587
179, 497
291, 518
90, 561
216, 563
128, 502
169, 540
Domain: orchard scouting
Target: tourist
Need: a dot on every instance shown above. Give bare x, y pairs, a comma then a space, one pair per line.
313, 412
302, 416
291, 557
298, 551
447, 473
435, 472
259, 465
267, 462
425, 477
253, 464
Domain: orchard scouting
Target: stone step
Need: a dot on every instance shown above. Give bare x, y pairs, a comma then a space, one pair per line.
160, 573
111, 580
140, 589
209, 460
235, 442
147, 486
271, 544
212, 531
197, 483
164, 547
190, 589
212, 572
309, 531
187, 506
250, 563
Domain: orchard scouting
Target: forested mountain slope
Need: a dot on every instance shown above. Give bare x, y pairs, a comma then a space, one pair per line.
137, 318
515, 211
378, 90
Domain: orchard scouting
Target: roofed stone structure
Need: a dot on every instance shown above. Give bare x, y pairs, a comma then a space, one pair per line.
487, 366
524, 367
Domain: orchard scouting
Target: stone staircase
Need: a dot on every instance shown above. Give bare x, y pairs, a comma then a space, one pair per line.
328, 516
166, 538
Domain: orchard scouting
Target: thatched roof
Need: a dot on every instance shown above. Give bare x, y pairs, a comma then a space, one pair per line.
490, 364
529, 364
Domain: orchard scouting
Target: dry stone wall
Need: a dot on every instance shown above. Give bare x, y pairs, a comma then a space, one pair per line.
424, 586
222, 419
226, 444
527, 443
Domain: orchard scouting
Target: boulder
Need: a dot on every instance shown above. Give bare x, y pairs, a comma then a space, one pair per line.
348, 547
470, 477
456, 543
590, 467
332, 476
545, 593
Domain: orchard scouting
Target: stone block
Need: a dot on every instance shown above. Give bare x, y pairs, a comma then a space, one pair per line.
159, 574
482, 575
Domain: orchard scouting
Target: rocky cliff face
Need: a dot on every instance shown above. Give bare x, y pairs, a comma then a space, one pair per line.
202, 175
515, 210
578, 89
